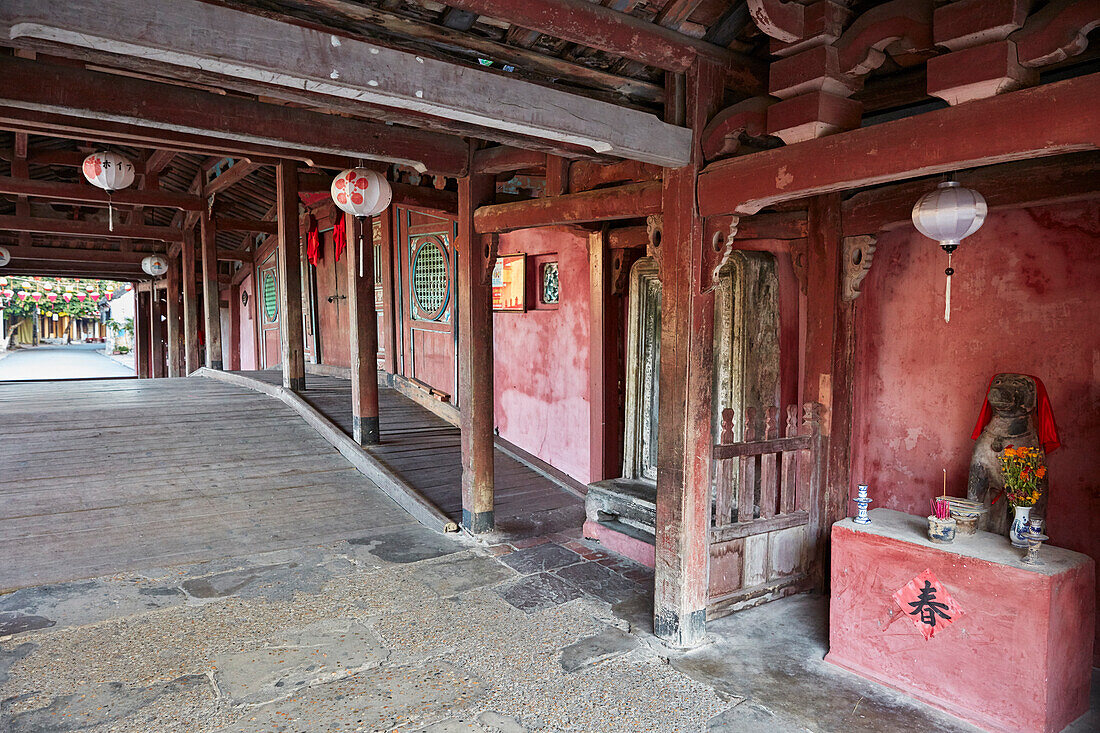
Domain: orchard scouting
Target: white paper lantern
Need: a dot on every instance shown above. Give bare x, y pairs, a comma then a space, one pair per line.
948, 215
111, 172
361, 192
5, 257
155, 265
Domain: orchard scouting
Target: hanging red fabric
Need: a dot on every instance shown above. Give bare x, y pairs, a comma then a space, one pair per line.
1044, 423
339, 236
313, 243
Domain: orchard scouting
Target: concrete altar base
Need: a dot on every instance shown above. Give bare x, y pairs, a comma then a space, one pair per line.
1017, 658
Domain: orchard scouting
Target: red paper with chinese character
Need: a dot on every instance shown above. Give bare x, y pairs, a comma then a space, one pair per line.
926, 602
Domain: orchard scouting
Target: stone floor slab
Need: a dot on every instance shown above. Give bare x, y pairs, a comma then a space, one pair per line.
590, 651
540, 558
538, 592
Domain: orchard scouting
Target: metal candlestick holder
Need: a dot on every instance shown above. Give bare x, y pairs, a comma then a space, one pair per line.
862, 501
1034, 536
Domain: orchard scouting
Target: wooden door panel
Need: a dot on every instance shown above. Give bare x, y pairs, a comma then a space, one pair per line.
432, 361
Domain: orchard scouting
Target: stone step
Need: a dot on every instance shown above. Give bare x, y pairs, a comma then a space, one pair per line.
623, 501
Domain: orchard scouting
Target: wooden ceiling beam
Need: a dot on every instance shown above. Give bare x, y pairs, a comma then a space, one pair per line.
228, 224
241, 45
1006, 186
83, 193
162, 113
505, 159
595, 26
523, 59
76, 254
158, 160
606, 204
62, 268
416, 197
1048, 120
68, 227
235, 174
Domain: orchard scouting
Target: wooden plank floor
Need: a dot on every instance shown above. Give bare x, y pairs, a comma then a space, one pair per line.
99, 477
424, 450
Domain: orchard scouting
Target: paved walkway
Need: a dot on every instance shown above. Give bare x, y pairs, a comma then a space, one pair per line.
61, 361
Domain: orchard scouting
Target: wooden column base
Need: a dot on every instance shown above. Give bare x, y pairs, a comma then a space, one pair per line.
477, 523
294, 384
365, 430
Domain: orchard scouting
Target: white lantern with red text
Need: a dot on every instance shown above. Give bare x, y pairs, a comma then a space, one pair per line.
5, 257
155, 265
111, 172
361, 192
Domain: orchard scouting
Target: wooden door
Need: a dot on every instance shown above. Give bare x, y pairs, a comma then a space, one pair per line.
428, 277
267, 278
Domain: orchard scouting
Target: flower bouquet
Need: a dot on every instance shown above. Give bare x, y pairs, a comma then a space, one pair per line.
1023, 472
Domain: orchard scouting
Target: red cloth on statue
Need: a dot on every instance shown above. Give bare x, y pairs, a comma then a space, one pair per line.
339, 236
1044, 422
313, 242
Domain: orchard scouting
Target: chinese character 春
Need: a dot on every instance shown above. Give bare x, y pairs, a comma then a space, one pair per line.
927, 606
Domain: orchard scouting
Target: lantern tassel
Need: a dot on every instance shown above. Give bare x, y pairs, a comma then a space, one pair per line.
110, 215
359, 221
947, 293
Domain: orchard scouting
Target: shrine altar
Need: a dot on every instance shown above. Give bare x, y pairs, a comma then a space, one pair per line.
1001, 644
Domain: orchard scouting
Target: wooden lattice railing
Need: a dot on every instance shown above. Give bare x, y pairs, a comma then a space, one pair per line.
767, 483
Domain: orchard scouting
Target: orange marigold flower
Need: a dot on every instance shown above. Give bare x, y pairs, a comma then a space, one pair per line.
1041, 472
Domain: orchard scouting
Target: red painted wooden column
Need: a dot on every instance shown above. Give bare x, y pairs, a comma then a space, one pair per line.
475, 356
141, 333
291, 337
175, 347
235, 327
687, 362
158, 357
389, 314
364, 331
604, 453
211, 297
830, 337
191, 358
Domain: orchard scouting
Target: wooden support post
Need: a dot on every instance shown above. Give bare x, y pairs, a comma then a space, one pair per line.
475, 356
830, 336
235, 328
686, 372
210, 293
389, 312
290, 277
141, 333
158, 356
190, 304
175, 346
363, 329
605, 456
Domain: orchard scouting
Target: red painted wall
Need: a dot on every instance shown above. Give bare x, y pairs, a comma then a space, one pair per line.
541, 359
248, 325
1025, 299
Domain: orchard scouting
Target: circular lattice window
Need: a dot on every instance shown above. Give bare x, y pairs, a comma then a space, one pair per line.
430, 283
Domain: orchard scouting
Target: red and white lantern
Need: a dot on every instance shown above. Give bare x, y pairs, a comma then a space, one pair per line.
361, 192
80, 297
67, 297
111, 172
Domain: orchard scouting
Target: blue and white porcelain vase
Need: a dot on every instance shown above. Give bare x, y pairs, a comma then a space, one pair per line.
1016, 533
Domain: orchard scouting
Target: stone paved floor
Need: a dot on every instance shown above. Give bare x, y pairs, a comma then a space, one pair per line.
408, 630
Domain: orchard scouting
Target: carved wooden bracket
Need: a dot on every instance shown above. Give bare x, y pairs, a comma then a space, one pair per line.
800, 252
722, 135
716, 253
654, 227
490, 245
857, 252
620, 275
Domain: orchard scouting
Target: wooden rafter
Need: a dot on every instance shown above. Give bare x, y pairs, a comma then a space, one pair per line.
69, 227
245, 46
608, 204
87, 194
159, 114
503, 53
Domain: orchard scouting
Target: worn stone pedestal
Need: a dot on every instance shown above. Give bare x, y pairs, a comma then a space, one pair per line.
1017, 658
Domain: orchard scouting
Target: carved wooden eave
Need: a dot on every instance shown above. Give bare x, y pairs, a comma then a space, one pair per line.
286, 56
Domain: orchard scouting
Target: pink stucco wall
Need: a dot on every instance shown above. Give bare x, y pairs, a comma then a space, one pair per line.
1025, 299
541, 359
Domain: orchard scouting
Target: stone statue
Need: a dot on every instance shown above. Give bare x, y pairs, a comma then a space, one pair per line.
1016, 413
